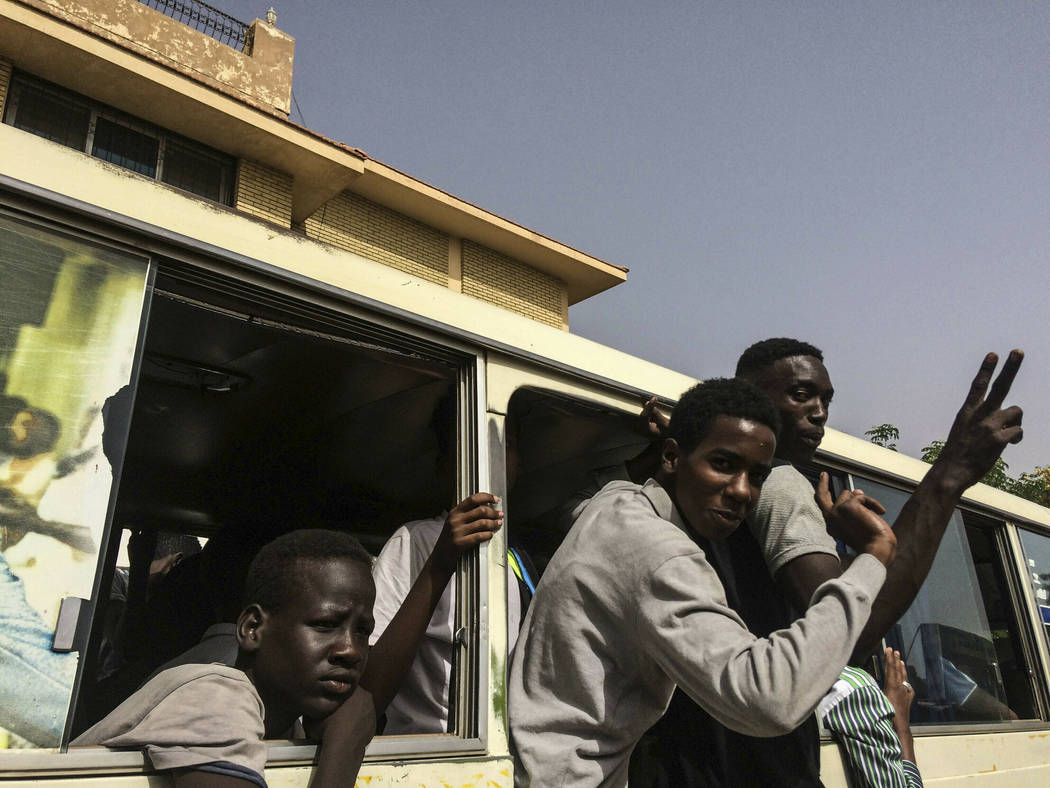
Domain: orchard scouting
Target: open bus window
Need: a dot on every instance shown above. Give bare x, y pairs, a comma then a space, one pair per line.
959, 637
560, 451
69, 322
250, 422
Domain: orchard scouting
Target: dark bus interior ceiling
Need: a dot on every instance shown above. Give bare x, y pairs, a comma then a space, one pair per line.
249, 425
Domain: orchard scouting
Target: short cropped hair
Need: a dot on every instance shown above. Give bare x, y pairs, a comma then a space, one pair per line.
698, 408
169, 543
766, 353
271, 574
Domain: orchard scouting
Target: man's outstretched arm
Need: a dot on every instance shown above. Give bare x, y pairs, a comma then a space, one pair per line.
982, 429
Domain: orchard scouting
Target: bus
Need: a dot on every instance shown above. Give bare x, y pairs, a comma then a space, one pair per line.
217, 325
225, 392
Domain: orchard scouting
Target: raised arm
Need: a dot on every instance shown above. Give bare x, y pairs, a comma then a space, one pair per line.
982, 429
472, 522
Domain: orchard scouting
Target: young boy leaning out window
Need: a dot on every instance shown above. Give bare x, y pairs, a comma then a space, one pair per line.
302, 652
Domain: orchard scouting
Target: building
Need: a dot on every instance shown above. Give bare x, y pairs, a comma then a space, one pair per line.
202, 115
138, 149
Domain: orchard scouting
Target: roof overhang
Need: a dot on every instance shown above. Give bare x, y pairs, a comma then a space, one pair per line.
74, 57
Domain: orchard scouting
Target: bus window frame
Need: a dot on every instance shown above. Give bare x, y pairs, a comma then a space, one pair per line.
470, 735
1009, 559
1039, 641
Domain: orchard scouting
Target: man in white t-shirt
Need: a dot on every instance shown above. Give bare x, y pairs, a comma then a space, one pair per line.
422, 703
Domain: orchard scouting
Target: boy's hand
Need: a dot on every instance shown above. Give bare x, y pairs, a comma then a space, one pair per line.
652, 422
344, 735
354, 719
898, 691
473, 520
854, 518
982, 428
900, 695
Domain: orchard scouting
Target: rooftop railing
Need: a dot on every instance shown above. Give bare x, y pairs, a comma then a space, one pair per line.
210, 21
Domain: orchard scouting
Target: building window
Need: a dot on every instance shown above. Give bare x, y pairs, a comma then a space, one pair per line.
77, 122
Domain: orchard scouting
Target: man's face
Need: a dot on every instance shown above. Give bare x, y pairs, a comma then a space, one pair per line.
801, 390
313, 649
718, 482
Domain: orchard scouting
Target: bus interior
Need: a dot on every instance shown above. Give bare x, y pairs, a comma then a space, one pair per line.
249, 421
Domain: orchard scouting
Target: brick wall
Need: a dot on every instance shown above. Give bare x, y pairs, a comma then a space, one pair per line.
359, 225
505, 282
263, 192
5, 82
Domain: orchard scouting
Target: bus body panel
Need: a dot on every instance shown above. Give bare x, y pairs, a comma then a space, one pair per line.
519, 354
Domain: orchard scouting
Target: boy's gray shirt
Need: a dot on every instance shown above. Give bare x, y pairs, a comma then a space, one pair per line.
786, 521
189, 715
628, 608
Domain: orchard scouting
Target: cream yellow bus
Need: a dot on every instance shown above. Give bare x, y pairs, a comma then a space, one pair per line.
216, 323
260, 390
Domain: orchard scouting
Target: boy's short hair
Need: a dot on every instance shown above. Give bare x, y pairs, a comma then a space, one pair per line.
169, 543
271, 574
764, 354
698, 408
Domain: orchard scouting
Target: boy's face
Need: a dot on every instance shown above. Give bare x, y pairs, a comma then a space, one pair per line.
718, 482
313, 649
801, 390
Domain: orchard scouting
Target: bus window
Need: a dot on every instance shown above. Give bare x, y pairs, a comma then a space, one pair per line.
253, 418
560, 451
69, 322
958, 638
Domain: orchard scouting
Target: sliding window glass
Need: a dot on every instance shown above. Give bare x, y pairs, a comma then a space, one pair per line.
1037, 560
959, 637
69, 322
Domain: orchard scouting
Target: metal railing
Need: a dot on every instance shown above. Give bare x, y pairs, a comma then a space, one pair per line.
210, 21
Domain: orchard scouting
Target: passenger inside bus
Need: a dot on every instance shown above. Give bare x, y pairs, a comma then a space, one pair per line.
233, 439
302, 650
152, 556
422, 705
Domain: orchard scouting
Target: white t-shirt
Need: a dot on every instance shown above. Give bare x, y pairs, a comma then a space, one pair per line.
422, 704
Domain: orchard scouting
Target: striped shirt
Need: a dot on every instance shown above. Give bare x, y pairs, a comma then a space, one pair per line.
859, 717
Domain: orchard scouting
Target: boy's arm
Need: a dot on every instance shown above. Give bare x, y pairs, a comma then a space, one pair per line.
759, 686
346, 735
472, 522
900, 695
982, 429
756, 686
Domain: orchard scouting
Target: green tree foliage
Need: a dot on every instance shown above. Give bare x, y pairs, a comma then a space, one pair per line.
885, 435
1033, 486
997, 477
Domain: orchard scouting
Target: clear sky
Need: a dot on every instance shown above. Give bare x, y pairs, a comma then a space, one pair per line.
869, 177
